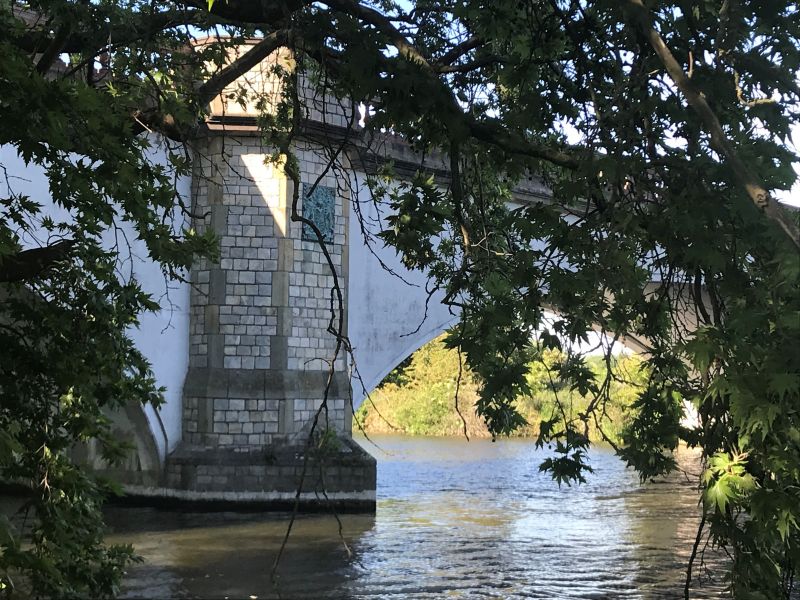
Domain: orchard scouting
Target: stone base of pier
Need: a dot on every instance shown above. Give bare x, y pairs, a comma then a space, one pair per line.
339, 476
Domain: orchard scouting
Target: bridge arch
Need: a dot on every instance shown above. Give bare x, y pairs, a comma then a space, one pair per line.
390, 312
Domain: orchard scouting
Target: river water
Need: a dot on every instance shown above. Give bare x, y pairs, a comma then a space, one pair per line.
455, 519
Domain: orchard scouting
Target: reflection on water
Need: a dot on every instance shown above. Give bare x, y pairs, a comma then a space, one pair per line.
455, 518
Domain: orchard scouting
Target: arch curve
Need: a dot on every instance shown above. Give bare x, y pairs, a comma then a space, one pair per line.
142, 464
390, 312
399, 349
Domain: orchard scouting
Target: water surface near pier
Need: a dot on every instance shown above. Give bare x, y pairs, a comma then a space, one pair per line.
454, 519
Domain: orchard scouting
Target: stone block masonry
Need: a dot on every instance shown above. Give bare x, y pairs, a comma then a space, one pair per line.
260, 349
269, 478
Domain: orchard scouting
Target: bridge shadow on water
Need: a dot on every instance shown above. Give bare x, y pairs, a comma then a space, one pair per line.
215, 555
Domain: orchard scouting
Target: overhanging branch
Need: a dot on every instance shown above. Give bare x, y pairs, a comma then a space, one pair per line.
88, 41
29, 264
214, 86
153, 119
253, 12
748, 180
460, 50
453, 117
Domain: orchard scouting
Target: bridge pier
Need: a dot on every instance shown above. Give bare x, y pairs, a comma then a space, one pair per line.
260, 352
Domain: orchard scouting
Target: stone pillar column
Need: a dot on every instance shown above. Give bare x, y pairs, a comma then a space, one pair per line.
260, 349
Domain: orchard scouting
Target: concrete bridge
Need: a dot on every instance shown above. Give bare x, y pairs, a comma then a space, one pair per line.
259, 350
243, 348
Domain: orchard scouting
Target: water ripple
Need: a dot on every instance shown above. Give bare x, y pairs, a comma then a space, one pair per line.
454, 520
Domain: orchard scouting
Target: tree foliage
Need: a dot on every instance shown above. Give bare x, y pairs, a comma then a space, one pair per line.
68, 290
432, 395
660, 128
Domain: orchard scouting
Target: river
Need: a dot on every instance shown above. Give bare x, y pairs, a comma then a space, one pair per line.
454, 519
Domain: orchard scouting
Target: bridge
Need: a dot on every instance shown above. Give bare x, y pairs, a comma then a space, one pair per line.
242, 348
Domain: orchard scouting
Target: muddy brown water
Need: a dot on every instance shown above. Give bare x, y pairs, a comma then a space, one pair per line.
455, 519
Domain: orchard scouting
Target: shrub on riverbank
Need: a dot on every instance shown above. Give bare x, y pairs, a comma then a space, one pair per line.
420, 398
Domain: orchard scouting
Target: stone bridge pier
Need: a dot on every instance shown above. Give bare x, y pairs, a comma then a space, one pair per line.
260, 354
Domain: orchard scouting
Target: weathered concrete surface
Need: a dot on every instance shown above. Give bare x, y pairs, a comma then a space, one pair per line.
142, 465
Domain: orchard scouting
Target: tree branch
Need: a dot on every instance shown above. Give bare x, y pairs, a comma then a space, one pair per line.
254, 12
460, 50
214, 86
485, 131
151, 119
29, 264
493, 133
87, 41
382, 24
483, 61
746, 179
55, 48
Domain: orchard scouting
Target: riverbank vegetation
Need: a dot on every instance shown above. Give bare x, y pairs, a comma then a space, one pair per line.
434, 393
